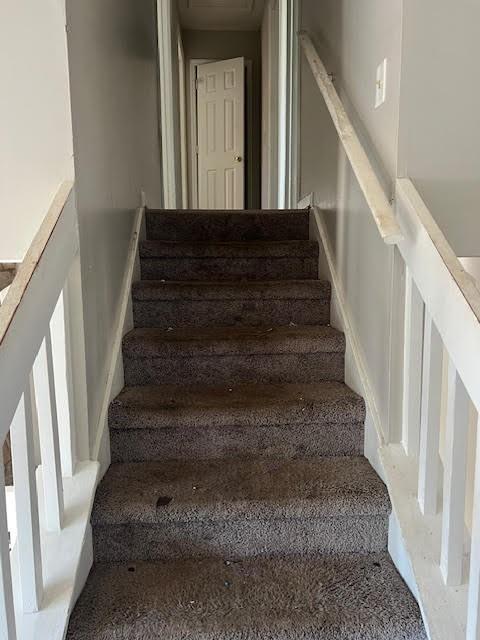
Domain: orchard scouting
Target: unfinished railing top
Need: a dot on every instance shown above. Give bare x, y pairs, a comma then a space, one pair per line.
377, 201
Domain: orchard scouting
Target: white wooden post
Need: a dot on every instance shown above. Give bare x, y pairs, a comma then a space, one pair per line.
412, 367
60, 331
473, 610
26, 504
7, 611
76, 332
429, 458
48, 432
454, 481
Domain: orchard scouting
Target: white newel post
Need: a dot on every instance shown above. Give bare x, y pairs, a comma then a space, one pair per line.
26, 503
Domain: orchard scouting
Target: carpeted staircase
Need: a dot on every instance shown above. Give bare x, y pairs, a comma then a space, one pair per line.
238, 505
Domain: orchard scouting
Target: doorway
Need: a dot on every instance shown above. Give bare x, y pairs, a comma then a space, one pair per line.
222, 134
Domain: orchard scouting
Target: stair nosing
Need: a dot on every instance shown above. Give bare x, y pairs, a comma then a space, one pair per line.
235, 341
347, 406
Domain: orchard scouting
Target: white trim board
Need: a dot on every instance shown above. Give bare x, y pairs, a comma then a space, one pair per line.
194, 63
124, 315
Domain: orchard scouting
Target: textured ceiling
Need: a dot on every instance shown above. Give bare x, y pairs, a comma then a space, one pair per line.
229, 15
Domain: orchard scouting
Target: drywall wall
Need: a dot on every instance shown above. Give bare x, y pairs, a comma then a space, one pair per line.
353, 38
113, 73
440, 107
222, 45
35, 130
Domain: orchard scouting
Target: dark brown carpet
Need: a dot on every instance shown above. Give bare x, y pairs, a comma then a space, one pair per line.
239, 505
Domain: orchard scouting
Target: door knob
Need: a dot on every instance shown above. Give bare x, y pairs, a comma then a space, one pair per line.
238, 158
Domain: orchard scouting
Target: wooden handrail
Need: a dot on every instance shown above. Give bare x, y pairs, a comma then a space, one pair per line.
32, 258
377, 201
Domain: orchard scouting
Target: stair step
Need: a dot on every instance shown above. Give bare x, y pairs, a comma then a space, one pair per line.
233, 355
228, 226
239, 508
339, 597
159, 303
201, 422
220, 261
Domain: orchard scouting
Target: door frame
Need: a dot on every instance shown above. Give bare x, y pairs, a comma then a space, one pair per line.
183, 118
270, 105
288, 100
166, 102
194, 63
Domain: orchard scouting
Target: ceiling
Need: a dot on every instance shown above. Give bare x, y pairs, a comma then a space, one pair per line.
225, 15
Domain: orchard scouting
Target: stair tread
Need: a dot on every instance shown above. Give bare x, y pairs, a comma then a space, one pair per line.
254, 488
152, 290
336, 597
245, 404
214, 341
226, 212
238, 249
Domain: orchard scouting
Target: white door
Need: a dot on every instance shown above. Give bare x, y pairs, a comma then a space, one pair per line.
221, 134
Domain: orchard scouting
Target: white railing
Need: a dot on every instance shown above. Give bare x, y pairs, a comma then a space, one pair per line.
442, 332
42, 398
426, 472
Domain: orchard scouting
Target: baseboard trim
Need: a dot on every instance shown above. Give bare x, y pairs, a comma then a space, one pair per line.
124, 315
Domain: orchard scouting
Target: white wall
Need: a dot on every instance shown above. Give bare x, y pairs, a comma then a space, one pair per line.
222, 45
440, 132
113, 72
352, 37
35, 130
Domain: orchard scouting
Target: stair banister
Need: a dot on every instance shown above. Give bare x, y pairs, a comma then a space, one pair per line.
441, 337
377, 201
40, 344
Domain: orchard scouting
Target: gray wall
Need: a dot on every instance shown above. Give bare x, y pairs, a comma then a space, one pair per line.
353, 37
36, 128
222, 45
112, 52
440, 114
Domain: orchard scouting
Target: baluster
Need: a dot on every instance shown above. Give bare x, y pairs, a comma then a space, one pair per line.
412, 367
26, 503
473, 610
48, 433
7, 610
429, 458
454, 480
76, 333
62, 369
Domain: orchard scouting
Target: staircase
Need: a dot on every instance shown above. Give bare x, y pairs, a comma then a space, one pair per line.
238, 505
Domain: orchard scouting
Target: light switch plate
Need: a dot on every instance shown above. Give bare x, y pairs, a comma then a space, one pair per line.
381, 84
